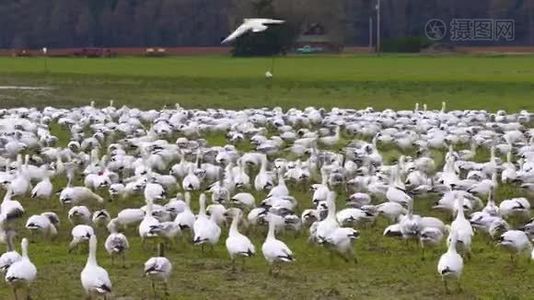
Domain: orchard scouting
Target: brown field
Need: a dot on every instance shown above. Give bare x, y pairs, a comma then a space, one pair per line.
192, 51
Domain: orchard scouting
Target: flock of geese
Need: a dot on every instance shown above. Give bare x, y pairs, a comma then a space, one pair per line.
164, 157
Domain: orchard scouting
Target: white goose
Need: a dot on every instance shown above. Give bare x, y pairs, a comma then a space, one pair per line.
342, 240
130, 216
20, 185
516, 242
116, 243
150, 226
101, 217
41, 223
451, 264
245, 200
21, 273
205, 229
186, 218
263, 180
43, 189
322, 229
395, 193
191, 182
154, 192
79, 215
159, 268
518, 207
10, 256
237, 244
491, 208
11, 209
77, 194
95, 279
391, 210
80, 233
274, 250
463, 231
280, 189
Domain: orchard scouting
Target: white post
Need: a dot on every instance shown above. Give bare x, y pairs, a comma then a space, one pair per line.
370, 34
378, 26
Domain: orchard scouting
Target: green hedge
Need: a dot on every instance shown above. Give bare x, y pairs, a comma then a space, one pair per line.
406, 44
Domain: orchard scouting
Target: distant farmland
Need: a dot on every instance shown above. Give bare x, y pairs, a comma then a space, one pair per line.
388, 81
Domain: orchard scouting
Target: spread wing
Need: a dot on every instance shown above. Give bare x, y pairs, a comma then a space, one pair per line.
242, 29
271, 21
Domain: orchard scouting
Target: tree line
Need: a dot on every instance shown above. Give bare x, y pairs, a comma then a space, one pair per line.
148, 23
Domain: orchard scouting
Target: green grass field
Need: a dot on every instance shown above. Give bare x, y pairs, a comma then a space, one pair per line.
387, 268
390, 81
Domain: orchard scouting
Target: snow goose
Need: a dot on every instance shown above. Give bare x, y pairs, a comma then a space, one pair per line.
515, 207
516, 242
310, 216
451, 264
10, 256
463, 231
395, 193
154, 192
76, 194
410, 224
219, 192
149, 227
324, 228
80, 233
353, 217
191, 182
358, 200
41, 223
79, 215
393, 230
95, 279
237, 244
11, 209
101, 217
205, 229
158, 269
491, 208
430, 237
186, 218
116, 243
22, 272
216, 213
244, 200
130, 216
263, 180
175, 206
20, 185
43, 189
274, 250
332, 140
509, 172
391, 210
280, 189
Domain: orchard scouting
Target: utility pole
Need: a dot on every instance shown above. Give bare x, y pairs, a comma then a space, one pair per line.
370, 34
378, 26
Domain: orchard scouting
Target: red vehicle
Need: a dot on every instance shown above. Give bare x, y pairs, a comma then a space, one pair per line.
94, 52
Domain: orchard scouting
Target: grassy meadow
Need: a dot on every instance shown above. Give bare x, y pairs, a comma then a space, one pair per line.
390, 81
387, 268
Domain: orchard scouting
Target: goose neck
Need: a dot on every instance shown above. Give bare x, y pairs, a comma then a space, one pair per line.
270, 234
233, 226
24, 246
202, 205
91, 259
